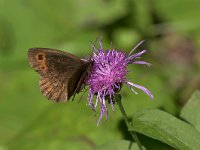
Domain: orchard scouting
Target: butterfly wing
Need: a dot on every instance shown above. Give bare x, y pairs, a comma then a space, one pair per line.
60, 72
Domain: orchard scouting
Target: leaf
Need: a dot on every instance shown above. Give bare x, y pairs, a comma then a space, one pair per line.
166, 128
191, 111
118, 145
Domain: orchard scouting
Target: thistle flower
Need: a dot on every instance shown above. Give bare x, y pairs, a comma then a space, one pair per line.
107, 75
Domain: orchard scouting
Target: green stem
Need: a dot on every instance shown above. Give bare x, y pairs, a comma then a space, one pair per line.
133, 134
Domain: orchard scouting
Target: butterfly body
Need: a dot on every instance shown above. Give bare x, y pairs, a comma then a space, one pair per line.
61, 74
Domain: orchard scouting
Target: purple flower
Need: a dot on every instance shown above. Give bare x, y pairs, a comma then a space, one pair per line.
107, 75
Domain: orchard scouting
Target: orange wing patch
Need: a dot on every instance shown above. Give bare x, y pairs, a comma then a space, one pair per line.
41, 59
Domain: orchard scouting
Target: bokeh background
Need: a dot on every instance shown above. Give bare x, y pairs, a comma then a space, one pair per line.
29, 121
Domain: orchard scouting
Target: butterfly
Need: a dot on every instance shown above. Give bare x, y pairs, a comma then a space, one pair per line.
62, 74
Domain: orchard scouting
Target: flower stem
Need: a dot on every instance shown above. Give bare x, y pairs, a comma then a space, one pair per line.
133, 134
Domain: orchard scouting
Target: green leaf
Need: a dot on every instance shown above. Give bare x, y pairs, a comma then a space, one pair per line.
164, 127
119, 145
191, 111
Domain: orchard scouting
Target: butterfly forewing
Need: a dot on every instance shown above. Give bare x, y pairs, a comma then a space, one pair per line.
60, 72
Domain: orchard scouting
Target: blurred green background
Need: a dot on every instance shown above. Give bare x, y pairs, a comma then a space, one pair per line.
29, 121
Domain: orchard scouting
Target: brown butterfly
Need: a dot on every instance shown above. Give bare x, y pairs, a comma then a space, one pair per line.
61, 74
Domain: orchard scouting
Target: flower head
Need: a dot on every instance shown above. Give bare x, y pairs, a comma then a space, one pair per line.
107, 75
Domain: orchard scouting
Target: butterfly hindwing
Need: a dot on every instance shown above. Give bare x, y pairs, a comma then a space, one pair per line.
60, 72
